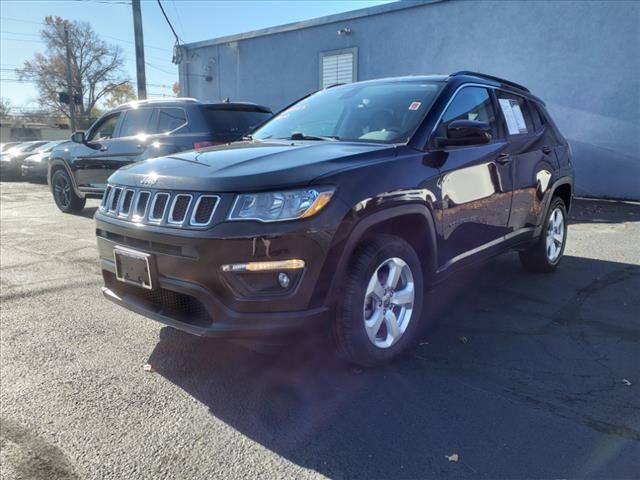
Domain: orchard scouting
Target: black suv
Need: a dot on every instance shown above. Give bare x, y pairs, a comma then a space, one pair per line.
340, 212
138, 131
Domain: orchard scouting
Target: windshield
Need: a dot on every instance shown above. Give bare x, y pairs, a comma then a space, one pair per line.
47, 147
385, 112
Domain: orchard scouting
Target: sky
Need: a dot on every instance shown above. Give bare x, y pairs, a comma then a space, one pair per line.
194, 20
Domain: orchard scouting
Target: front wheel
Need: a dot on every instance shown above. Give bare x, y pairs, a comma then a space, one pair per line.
546, 253
64, 195
378, 315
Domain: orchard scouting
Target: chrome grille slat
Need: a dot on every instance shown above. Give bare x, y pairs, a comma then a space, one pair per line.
177, 209
178, 202
125, 204
142, 200
160, 200
105, 197
115, 199
198, 213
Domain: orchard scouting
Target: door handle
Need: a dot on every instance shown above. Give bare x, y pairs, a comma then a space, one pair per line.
503, 159
546, 150
104, 149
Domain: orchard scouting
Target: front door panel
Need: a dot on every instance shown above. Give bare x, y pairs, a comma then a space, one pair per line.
476, 199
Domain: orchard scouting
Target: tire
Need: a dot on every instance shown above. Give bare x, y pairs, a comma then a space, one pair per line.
365, 301
64, 195
545, 255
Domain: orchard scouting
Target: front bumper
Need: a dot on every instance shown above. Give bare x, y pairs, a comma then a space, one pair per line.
34, 170
11, 167
193, 294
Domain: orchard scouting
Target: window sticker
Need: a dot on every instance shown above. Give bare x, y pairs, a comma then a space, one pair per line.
513, 116
415, 105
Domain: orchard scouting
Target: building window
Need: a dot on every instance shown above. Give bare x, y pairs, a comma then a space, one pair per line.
338, 66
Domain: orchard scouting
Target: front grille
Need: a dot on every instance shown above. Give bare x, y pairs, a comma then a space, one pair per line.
182, 307
171, 209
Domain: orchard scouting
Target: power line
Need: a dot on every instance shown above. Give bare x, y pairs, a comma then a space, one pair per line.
159, 69
164, 49
169, 22
173, 3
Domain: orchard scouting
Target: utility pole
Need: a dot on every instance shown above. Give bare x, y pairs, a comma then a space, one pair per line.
72, 103
137, 30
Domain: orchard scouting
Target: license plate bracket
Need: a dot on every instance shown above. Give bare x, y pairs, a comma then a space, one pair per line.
133, 267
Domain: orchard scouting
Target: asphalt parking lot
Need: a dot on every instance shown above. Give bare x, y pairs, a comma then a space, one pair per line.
525, 376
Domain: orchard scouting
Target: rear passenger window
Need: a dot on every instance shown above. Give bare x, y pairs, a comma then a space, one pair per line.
136, 122
536, 116
515, 111
470, 103
169, 119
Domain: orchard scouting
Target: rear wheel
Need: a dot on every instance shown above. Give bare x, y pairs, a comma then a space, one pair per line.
378, 315
64, 195
546, 253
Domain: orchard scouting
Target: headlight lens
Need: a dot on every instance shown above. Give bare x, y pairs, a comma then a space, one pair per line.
280, 206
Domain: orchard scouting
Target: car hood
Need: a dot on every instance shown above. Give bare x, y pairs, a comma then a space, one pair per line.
37, 157
247, 166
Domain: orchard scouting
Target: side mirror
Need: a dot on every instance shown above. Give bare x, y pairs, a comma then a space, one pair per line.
466, 132
78, 137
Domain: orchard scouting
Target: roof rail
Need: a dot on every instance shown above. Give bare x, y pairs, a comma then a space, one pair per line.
491, 77
162, 100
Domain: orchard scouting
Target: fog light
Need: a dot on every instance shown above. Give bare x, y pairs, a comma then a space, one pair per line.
283, 279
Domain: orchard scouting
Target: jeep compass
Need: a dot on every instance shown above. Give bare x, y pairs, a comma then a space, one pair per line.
340, 212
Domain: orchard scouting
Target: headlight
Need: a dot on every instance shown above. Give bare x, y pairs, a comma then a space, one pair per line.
280, 206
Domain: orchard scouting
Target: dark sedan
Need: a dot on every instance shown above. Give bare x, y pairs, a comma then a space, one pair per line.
11, 160
34, 167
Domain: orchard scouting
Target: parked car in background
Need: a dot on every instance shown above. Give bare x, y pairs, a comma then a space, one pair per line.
340, 212
138, 131
11, 160
35, 166
6, 146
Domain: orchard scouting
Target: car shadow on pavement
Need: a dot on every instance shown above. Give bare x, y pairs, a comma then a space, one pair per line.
521, 377
589, 211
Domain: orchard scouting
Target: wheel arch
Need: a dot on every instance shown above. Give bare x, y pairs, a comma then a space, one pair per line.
56, 164
414, 223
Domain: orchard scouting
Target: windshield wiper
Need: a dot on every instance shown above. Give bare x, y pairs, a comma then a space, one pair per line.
302, 136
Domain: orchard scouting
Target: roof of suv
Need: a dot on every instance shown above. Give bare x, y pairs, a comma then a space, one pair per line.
182, 101
466, 76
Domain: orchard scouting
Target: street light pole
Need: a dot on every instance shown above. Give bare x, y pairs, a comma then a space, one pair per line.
72, 103
137, 30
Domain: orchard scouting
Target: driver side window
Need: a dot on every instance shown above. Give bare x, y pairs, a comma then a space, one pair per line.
470, 103
105, 128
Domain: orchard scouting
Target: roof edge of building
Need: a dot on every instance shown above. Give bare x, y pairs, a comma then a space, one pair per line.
288, 27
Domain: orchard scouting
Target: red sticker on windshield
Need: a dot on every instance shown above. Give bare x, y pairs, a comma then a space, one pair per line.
415, 105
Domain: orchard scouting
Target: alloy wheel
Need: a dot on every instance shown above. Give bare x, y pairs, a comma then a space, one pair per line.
63, 191
555, 235
388, 302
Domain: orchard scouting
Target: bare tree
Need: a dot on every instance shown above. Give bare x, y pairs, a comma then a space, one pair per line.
5, 106
96, 67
